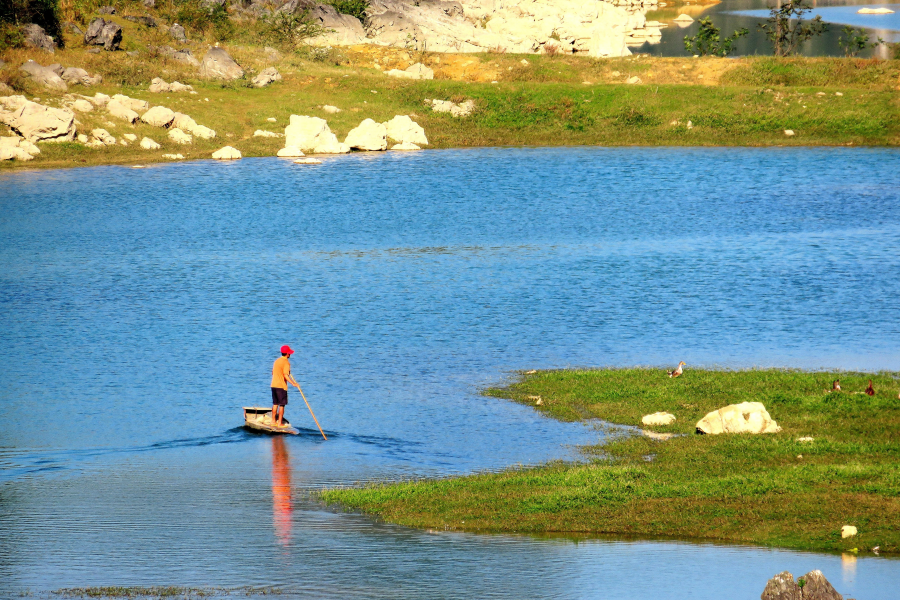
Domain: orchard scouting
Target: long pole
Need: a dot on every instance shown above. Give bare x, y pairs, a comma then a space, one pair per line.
312, 413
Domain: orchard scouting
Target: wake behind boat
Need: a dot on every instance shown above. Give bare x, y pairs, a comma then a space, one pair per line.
260, 419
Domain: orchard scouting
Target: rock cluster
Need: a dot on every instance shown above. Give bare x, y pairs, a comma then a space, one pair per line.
36, 122
312, 134
16, 148
159, 86
56, 77
814, 587
746, 417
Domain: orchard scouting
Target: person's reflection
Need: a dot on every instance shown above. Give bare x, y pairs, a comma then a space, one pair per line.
281, 490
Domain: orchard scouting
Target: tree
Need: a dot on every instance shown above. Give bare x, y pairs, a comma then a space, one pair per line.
857, 40
289, 29
708, 40
786, 29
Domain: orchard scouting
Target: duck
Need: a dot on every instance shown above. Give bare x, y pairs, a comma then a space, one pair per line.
678, 370
870, 391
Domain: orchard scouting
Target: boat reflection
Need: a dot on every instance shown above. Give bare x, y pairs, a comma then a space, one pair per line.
281, 491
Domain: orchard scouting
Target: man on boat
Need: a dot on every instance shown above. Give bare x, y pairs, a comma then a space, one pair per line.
281, 376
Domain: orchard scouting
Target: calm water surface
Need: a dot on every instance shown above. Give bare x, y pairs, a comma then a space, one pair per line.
141, 308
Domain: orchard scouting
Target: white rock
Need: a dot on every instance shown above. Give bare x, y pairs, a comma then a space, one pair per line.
158, 86
290, 152
848, 531
38, 123
180, 137
369, 135
203, 132
875, 11
658, 418
332, 110
789, 132
82, 105
122, 142
99, 100
405, 146
173, 156
43, 76
265, 77
227, 153
805, 439
130, 137
14, 154
82, 138
103, 136
120, 111
746, 417
331, 147
266, 134
416, 71
272, 120
457, 110
148, 144
218, 65
29, 147
311, 134
132, 103
159, 116
633, 80
187, 124
307, 161
404, 130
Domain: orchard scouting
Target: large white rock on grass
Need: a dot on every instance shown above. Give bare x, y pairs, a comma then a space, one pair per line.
658, 419
746, 417
312, 134
416, 71
227, 153
99, 100
217, 64
44, 76
265, 77
148, 144
406, 131
120, 111
159, 116
132, 103
38, 123
180, 137
368, 136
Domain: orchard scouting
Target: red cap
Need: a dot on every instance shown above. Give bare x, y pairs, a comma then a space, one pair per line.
286, 350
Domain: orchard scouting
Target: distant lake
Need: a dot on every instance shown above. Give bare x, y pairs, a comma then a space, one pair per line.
142, 308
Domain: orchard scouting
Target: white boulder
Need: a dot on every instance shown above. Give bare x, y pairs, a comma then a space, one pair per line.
848, 531
404, 130
159, 116
148, 144
103, 136
120, 111
82, 105
227, 153
312, 134
132, 103
180, 137
290, 152
416, 71
265, 77
368, 136
187, 124
36, 122
658, 419
746, 417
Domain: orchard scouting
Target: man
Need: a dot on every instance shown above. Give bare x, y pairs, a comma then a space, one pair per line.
281, 376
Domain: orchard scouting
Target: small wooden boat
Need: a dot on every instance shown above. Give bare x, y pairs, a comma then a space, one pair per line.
260, 419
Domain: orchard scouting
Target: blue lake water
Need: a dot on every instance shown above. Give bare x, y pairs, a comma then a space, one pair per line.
141, 308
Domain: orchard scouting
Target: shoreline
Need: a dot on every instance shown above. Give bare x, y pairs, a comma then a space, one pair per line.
772, 490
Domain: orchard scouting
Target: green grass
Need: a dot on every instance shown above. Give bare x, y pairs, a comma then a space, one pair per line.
756, 489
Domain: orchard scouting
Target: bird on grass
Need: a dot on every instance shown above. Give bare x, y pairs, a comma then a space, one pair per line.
870, 391
835, 387
678, 370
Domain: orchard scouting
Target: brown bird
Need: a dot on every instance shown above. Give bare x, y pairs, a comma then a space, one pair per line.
836, 386
870, 391
678, 370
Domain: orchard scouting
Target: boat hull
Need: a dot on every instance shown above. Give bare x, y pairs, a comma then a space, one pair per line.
260, 419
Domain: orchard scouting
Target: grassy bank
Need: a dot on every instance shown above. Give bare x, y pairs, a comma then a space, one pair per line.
758, 489
550, 101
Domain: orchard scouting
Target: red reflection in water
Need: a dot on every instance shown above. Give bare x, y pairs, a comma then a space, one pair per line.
281, 490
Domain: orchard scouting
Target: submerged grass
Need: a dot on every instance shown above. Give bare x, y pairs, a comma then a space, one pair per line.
771, 489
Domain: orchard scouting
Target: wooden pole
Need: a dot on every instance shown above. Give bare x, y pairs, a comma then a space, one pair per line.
312, 413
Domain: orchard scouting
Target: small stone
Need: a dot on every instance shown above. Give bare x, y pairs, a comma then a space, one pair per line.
658, 419
270, 119
789, 132
130, 137
848, 531
633, 80
180, 137
333, 110
173, 156
148, 144
290, 152
266, 134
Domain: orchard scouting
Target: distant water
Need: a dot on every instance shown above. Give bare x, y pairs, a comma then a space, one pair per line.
141, 308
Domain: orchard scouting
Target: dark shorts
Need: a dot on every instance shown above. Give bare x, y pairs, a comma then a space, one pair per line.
279, 397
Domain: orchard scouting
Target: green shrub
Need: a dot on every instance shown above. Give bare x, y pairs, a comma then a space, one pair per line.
21, 12
708, 40
288, 30
203, 18
10, 36
354, 8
